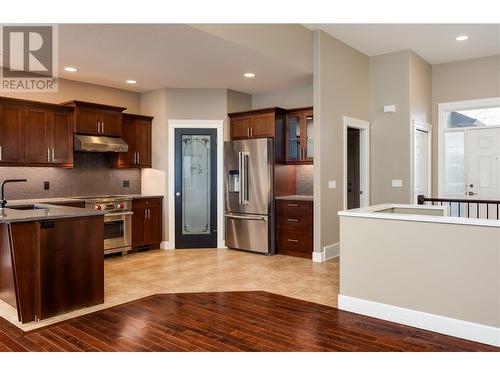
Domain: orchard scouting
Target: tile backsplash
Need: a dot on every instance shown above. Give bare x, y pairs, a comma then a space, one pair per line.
304, 175
91, 174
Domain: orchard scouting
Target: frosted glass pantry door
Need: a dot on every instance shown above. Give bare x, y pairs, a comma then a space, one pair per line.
195, 188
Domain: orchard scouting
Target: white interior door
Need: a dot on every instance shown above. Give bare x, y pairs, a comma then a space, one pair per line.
420, 163
483, 169
483, 165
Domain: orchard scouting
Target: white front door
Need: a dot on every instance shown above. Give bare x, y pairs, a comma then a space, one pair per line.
483, 164
420, 163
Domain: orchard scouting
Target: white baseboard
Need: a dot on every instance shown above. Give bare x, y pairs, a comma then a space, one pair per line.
436, 323
329, 252
166, 245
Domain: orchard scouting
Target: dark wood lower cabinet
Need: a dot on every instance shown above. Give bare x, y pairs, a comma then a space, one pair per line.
71, 264
146, 223
294, 228
52, 267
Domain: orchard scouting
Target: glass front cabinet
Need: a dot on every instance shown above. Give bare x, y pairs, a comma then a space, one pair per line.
299, 136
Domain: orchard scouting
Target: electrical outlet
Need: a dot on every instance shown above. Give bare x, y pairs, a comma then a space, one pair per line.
126, 183
332, 184
46, 185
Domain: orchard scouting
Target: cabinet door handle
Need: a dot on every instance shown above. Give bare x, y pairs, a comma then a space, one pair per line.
292, 240
251, 132
146, 214
293, 220
102, 125
53, 155
48, 155
149, 213
98, 127
0, 153
138, 158
248, 132
292, 205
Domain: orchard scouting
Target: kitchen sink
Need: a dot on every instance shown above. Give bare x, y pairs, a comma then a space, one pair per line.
26, 207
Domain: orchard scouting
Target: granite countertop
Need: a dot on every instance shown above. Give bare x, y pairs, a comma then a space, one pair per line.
295, 198
145, 196
22, 202
44, 212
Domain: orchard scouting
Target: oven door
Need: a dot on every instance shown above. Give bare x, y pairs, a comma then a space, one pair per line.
117, 232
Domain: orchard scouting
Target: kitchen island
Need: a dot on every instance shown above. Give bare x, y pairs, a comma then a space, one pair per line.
51, 259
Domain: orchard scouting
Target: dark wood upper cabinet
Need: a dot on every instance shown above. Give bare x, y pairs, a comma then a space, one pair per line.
299, 136
37, 142
11, 134
35, 134
111, 122
96, 119
62, 138
262, 123
137, 134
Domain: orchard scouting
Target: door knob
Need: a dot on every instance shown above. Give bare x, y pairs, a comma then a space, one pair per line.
177, 194
471, 185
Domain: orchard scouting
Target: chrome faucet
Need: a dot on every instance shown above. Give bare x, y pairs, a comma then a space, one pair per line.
4, 202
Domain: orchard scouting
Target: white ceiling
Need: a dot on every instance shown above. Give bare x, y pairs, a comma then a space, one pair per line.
173, 55
217, 55
434, 42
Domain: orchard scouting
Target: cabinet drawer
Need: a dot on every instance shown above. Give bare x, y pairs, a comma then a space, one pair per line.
293, 209
293, 241
146, 202
297, 224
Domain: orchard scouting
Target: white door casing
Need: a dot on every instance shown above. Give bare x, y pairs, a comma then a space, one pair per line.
443, 110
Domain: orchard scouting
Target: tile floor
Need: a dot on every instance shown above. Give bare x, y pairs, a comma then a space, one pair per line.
209, 270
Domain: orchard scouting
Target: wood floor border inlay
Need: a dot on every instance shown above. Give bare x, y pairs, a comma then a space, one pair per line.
227, 321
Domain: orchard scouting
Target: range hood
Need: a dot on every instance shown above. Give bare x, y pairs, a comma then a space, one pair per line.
99, 143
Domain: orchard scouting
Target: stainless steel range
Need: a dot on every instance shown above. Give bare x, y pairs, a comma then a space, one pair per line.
117, 221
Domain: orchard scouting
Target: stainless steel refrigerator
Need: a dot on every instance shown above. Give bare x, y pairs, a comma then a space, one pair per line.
249, 195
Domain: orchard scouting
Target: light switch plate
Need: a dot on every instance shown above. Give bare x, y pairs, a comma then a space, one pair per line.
397, 183
389, 108
332, 184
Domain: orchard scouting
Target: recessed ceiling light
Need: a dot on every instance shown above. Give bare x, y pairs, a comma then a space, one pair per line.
461, 38
131, 81
249, 75
70, 69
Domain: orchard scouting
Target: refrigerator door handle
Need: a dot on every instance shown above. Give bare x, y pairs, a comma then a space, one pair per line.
245, 177
240, 168
259, 218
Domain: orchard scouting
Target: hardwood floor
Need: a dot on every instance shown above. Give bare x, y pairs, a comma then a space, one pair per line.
208, 270
227, 321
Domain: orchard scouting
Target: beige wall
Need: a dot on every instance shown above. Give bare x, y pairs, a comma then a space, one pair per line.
420, 89
443, 269
167, 104
390, 132
404, 79
294, 97
462, 80
69, 90
340, 89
